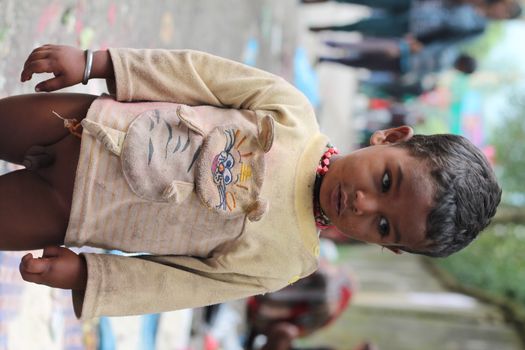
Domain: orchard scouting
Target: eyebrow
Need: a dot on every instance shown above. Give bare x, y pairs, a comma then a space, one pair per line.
399, 179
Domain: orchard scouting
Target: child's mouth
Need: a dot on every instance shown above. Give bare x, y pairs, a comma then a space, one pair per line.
341, 202
335, 198
338, 199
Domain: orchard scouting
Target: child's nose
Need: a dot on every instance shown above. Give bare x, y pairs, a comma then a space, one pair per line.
364, 203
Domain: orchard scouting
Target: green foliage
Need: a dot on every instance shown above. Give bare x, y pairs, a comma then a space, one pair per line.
510, 148
481, 46
494, 263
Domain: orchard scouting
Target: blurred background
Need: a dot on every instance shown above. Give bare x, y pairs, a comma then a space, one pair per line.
440, 66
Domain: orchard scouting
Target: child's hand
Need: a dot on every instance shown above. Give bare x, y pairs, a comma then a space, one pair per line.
58, 267
65, 62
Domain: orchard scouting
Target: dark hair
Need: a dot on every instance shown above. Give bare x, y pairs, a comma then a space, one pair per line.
466, 191
515, 10
466, 64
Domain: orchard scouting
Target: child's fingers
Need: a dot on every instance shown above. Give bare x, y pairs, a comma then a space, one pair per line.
59, 268
37, 270
38, 66
25, 258
52, 251
30, 265
40, 52
31, 61
38, 55
46, 47
51, 84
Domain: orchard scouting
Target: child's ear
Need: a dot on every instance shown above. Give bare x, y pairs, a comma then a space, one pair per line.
395, 250
393, 135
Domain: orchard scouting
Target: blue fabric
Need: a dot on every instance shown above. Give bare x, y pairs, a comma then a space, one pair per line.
148, 336
389, 5
433, 18
305, 77
404, 56
150, 325
427, 20
106, 338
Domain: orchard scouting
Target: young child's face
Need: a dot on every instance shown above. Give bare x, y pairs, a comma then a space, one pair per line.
380, 194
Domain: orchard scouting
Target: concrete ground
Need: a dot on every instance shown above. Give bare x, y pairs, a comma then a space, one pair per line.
398, 304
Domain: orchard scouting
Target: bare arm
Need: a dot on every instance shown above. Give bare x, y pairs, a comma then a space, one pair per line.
182, 76
67, 64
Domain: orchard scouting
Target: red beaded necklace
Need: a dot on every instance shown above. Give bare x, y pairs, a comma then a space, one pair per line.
321, 220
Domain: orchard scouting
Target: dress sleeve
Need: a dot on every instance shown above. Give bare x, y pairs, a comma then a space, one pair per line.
119, 285
197, 78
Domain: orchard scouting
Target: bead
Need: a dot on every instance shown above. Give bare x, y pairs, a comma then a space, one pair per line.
294, 279
321, 221
317, 250
322, 168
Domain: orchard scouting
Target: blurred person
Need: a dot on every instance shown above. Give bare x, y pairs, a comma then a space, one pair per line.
429, 20
413, 84
402, 57
300, 309
281, 336
170, 167
413, 75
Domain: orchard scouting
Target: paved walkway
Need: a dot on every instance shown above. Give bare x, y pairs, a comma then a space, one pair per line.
401, 306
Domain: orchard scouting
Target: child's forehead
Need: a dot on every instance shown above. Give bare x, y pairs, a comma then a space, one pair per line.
421, 180
419, 193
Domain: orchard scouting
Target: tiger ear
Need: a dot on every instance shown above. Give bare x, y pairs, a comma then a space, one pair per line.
265, 136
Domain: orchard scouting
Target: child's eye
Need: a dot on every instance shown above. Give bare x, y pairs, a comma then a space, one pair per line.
385, 182
383, 227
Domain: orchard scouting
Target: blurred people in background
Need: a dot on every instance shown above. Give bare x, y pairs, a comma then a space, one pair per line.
427, 20
299, 309
281, 336
415, 39
417, 36
401, 56
413, 68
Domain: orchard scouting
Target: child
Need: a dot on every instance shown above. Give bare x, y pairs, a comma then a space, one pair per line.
128, 182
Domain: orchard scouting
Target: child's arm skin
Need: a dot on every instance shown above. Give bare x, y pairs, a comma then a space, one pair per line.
60, 267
